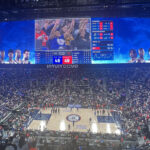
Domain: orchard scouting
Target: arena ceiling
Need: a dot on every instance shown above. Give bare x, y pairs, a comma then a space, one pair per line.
33, 9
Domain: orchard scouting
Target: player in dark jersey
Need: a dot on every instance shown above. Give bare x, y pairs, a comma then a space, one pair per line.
2, 57
10, 57
69, 127
73, 123
90, 120
133, 56
26, 55
149, 55
141, 56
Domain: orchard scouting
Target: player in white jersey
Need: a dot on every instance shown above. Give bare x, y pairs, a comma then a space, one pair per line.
18, 57
26, 55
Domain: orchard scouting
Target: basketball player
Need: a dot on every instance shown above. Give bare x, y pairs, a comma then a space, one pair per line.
103, 111
97, 112
40, 114
133, 56
10, 57
100, 112
2, 56
18, 56
149, 55
26, 55
141, 56
69, 127
90, 119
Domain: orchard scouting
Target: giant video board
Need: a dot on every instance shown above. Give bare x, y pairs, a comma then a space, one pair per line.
75, 41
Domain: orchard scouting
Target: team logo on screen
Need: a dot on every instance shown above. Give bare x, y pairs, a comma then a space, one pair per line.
61, 41
73, 118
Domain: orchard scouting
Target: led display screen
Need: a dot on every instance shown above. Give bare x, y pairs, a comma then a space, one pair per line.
75, 41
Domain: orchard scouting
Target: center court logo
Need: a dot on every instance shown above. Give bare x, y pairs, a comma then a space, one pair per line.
73, 118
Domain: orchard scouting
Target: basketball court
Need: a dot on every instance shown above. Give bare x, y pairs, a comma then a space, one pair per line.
75, 120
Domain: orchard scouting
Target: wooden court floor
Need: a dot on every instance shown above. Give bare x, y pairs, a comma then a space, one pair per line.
81, 120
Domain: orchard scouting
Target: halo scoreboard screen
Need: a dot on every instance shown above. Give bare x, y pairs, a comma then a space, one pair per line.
75, 41
102, 39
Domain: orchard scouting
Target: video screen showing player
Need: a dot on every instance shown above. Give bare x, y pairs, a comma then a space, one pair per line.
18, 57
15, 57
10, 57
62, 34
2, 56
120, 40
26, 56
133, 56
15, 37
141, 56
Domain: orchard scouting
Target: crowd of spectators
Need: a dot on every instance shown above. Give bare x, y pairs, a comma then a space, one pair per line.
124, 90
62, 34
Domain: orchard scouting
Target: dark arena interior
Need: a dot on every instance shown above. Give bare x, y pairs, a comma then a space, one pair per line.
74, 75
